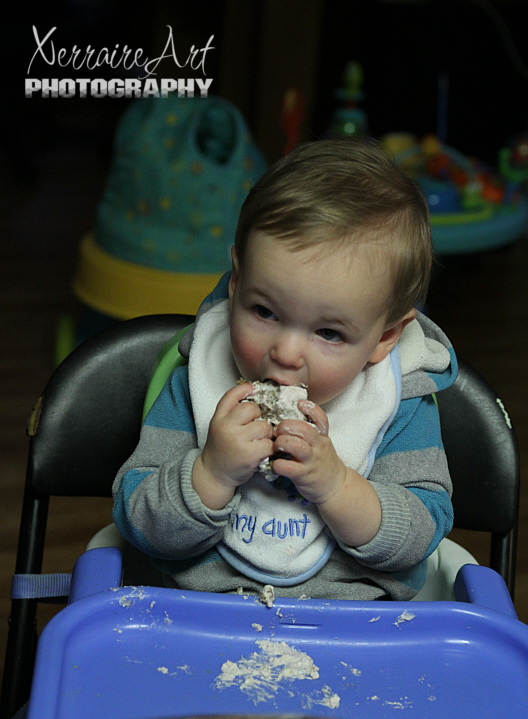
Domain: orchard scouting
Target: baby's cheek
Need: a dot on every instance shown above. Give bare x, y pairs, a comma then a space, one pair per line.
330, 382
247, 355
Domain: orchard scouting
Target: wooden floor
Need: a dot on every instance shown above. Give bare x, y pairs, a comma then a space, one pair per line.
481, 304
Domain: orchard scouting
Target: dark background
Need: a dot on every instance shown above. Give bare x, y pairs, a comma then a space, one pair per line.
404, 47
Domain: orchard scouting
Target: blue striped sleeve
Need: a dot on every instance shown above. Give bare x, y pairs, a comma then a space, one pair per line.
129, 483
172, 408
416, 426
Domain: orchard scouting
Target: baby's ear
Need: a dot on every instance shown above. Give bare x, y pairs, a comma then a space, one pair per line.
390, 337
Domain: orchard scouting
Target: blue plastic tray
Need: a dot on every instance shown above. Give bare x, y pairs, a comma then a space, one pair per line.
151, 652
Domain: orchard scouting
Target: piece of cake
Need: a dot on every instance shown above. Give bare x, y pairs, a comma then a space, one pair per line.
276, 402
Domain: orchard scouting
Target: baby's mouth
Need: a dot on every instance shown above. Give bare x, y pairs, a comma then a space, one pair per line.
277, 383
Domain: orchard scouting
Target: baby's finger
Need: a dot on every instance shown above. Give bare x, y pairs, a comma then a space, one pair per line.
290, 457
232, 398
298, 428
245, 412
287, 468
296, 447
316, 414
258, 429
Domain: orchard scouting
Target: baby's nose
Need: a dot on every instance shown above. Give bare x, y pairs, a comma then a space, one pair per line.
288, 352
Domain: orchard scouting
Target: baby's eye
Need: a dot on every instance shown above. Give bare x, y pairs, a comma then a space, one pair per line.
263, 312
330, 335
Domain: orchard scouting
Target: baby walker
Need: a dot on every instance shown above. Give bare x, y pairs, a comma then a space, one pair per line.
472, 207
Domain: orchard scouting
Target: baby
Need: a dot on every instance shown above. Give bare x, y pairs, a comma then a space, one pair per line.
332, 254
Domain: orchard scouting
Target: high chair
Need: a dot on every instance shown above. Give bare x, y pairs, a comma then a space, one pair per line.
84, 426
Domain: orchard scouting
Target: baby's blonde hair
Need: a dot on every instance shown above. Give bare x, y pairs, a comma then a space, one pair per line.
350, 192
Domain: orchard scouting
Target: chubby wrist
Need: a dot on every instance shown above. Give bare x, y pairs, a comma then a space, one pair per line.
212, 491
353, 511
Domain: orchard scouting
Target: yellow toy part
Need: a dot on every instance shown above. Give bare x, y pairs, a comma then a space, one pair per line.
123, 289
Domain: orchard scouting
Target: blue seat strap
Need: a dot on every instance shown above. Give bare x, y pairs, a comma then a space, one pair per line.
40, 586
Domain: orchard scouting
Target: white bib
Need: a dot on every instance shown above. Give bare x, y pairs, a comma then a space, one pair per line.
276, 536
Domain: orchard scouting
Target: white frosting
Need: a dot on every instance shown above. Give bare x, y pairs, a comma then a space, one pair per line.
278, 402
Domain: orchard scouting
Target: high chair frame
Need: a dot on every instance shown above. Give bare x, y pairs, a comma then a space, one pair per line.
87, 423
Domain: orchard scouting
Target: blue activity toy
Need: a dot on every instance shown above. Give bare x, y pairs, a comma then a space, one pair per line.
473, 208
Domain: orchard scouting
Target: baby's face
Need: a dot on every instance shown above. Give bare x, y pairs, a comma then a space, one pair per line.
310, 317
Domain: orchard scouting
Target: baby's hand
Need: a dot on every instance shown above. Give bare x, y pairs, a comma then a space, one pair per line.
314, 466
235, 443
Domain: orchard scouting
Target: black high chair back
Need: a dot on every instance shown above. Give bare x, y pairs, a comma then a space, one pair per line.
87, 423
